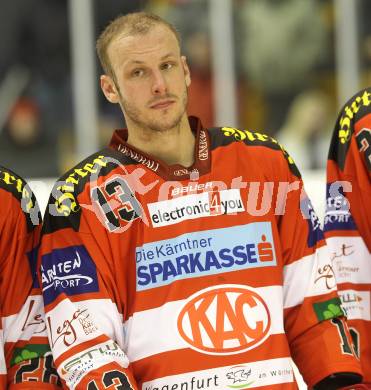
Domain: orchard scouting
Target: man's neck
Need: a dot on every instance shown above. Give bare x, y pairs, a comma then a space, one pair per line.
174, 146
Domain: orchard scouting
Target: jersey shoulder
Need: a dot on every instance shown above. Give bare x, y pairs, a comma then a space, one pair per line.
63, 208
91, 168
15, 192
12, 183
63, 198
268, 146
356, 111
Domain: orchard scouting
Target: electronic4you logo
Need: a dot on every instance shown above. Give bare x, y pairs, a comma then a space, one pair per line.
224, 320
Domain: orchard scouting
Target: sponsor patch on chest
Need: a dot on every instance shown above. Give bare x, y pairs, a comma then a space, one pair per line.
205, 204
204, 253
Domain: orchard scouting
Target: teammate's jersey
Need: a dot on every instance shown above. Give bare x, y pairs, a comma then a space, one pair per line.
26, 361
208, 277
348, 217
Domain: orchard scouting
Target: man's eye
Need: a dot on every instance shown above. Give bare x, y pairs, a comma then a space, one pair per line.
137, 73
167, 65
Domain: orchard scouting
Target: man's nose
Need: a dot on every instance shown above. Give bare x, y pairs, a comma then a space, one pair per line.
159, 86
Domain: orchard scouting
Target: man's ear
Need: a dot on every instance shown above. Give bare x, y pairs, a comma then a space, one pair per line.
187, 73
109, 89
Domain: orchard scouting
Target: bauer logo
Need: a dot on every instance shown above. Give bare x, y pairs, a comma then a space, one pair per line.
206, 204
204, 253
224, 320
70, 271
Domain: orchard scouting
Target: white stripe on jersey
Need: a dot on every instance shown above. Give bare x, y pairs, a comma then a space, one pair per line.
249, 375
29, 322
72, 323
2, 357
351, 259
155, 330
73, 369
356, 304
302, 278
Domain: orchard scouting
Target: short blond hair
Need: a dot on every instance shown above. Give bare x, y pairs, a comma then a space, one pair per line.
136, 23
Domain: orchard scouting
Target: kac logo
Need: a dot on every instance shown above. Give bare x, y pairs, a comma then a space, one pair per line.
224, 320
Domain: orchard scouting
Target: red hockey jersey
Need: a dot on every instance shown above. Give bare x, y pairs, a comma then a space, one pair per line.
208, 277
26, 361
348, 217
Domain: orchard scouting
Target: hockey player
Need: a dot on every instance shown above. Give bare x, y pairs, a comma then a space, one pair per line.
181, 257
348, 217
26, 361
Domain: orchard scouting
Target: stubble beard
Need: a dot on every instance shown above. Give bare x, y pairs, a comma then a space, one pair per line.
156, 125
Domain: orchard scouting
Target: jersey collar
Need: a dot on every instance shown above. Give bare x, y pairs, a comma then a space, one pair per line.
200, 166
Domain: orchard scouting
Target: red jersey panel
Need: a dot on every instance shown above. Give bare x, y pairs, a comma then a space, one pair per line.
348, 217
25, 357
166, 277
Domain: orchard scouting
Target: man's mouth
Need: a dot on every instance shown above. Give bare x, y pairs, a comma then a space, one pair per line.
162, 104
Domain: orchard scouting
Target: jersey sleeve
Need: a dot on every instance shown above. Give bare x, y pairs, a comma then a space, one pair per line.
83, 314
347, 221
349, 171
26, 360
314, 321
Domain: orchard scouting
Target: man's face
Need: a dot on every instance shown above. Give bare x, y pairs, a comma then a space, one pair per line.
151, 79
